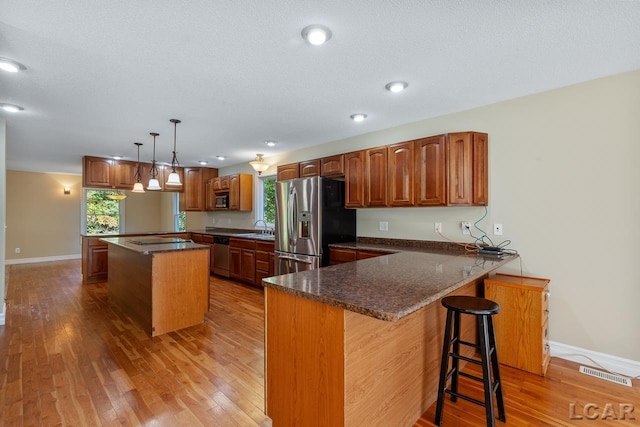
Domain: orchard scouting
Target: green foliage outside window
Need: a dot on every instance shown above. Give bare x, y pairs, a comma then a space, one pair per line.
182, 221
269, 197
103, 214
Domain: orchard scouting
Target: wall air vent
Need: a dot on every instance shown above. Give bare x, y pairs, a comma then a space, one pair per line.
618, 379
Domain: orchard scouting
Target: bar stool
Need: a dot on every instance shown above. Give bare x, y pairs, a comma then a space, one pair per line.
483, 309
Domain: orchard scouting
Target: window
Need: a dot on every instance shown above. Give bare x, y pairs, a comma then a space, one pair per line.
179, 217
266, 199
101, 214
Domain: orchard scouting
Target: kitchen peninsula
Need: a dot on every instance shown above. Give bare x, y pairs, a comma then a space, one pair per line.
360, 343
161, 282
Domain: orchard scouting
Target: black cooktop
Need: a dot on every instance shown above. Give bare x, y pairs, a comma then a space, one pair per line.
156, 240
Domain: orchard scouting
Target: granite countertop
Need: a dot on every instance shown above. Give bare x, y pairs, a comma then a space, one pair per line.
388, 287
146, 247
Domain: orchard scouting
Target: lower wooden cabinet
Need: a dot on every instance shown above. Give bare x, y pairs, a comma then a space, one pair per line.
242, 260
343, 255
265, 259
205, 239
522, 326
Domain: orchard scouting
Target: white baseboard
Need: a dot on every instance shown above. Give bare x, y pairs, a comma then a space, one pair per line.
3, 314
41, 259
628, 367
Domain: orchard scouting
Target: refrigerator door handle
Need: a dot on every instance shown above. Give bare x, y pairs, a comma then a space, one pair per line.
293, 216
295, 259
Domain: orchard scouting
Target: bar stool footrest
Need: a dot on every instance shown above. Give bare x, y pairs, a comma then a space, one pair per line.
465, 397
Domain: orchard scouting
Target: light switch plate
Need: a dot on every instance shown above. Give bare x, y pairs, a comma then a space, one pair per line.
384, 226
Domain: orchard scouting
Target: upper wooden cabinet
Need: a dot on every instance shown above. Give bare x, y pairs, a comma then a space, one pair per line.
194, 183
468, 169
430, 171
98, 172
332, 165
354, 166
241, 192
401, 174
309, 168
289, 171
375, 182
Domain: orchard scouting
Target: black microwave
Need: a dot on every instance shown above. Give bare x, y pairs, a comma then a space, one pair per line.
222, 201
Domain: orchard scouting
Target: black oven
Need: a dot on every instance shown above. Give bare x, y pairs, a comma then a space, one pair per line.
222, 201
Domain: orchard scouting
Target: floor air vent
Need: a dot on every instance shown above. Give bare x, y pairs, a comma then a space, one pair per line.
618, 379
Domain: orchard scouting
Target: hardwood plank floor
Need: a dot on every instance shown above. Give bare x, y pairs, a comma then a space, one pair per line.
68, 358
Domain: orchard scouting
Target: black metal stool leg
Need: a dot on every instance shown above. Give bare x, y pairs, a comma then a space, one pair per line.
496, 371
455, 363
444, 368
483, 332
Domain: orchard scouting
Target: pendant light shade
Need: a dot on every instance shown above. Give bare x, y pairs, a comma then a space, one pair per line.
259, 165
174, 179
154, 184
137, 187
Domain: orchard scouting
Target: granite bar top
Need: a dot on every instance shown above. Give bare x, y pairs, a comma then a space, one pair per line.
388, 287
147, 247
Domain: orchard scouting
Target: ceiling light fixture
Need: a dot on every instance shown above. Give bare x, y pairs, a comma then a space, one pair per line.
154, 184
117, 157
116, 195
396, 87
11, 66
220, 157
11, 108
259, 165
316, 34
202, 162
174, 178
137, 187
271, 143
358, 117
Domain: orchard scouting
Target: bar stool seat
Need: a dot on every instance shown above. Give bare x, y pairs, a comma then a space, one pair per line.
483, 309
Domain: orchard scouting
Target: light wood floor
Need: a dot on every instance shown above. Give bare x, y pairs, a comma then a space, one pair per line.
68, 358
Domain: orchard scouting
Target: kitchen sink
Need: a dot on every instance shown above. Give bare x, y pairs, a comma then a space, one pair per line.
256, 236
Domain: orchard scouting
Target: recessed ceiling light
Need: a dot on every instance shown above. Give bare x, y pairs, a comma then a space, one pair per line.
202, 162
220, 157
316, 34
271, 143
358, 117
396, 87
12, 108
117, 157
11, 66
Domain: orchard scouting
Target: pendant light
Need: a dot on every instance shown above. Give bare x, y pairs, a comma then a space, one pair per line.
117, 195
137, 187
154, 184
259, 165
174, 178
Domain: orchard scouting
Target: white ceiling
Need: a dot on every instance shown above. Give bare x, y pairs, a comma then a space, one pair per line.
102, 75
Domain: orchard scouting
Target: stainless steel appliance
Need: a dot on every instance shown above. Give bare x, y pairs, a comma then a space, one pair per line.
222, 201
221, 255
310, 215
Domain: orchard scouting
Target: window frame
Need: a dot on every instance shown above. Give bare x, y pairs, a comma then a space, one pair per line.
83, 213
259, 199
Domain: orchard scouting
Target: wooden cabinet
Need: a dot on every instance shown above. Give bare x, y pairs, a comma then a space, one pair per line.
522, 326
401, 174
242, 260
467, 168
309, 168
125, 175
240, 192
194, 183
375, 182
95, 263
430, 171
332, 166
209, 195
289, 171
264, 261
343, 255
205, 239
98, 172
354, 166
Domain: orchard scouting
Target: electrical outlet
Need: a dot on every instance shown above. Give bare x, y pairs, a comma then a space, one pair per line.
466, 227
384, 226
437, 227
17, 250
497, 229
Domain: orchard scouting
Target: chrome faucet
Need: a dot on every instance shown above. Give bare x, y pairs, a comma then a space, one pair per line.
264, 230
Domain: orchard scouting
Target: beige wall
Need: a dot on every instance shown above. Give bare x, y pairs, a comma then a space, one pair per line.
3, 145
144, 212
564, 183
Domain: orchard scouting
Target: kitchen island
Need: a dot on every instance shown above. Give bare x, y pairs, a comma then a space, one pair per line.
360, 343
162, 283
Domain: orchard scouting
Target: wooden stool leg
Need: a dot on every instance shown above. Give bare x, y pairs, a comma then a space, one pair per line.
483, 333
444, 368
455, 362
496, 372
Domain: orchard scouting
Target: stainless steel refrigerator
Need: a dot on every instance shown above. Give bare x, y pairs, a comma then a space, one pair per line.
310, 215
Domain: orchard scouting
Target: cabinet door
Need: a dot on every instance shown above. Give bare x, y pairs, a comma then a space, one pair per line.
375, 190
341, 255
354, 179
332, 166
289, 171
235, 257
460, 150
98, 172
234, 192
193, 189
309, 168
126, 174
224, 182
215, 184
401, 176
209, 196
248, 266
430, 171
480, 169
97, 262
